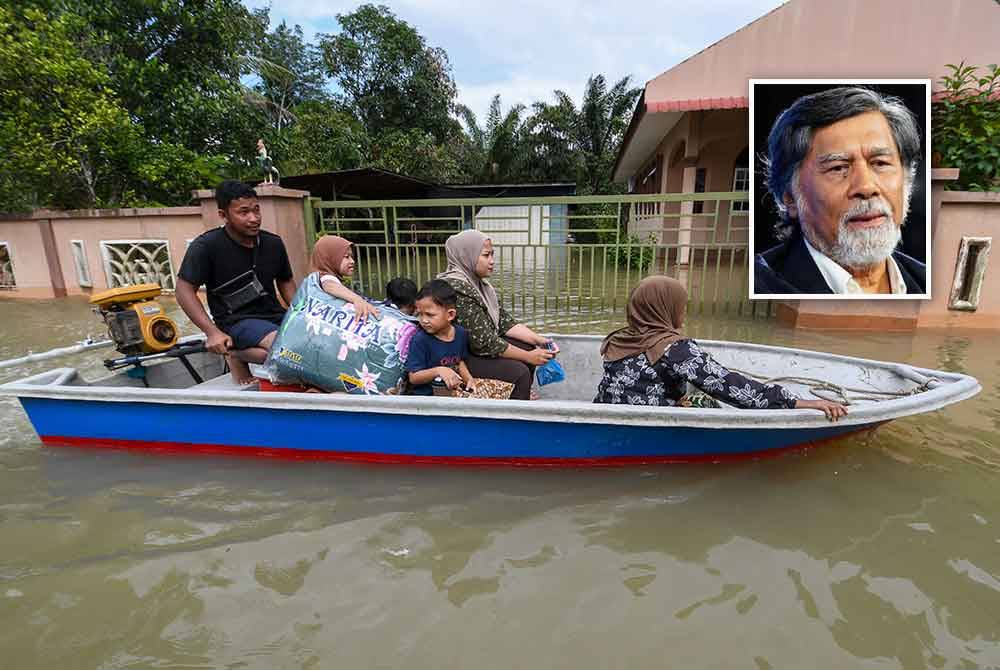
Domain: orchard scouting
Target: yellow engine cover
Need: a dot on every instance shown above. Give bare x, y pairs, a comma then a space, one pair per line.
123, 295
159, 332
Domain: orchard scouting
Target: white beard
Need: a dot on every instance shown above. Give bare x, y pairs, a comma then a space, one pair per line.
860, 247
865, 247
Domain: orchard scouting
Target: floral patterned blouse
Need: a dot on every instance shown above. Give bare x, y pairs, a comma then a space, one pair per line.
633, 381
485, 337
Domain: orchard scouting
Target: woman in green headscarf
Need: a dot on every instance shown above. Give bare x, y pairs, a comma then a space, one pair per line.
501, 347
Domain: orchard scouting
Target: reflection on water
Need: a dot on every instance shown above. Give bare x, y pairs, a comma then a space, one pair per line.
881, 550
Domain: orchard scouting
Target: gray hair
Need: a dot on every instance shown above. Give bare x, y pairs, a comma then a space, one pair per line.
790, 138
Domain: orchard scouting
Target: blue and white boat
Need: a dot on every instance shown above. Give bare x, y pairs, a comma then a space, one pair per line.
563, 428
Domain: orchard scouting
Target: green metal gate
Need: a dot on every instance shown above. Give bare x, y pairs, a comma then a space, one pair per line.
559, 260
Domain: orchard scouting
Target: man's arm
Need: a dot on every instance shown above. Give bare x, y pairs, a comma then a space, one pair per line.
286, 289
187, 297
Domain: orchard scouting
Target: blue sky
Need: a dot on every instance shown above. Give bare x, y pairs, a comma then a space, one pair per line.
524, 49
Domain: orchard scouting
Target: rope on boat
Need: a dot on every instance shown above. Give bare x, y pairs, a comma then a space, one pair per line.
820, 386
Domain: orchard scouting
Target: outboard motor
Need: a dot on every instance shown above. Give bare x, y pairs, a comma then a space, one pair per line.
136, 322
141, 330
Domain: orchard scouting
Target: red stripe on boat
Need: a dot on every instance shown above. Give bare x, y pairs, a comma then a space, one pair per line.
186, 448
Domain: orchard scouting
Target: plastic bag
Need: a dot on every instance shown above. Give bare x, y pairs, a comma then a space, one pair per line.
550, 373
320, 343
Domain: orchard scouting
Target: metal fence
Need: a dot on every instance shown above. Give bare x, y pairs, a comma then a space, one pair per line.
559, 260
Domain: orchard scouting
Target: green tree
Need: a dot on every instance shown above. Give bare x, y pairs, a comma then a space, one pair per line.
289, 73
550, 148
388, 75
589, 135
494, 152
324, 137
400, 89
66, 137
417, 153
174, 64
604, 118
966, 126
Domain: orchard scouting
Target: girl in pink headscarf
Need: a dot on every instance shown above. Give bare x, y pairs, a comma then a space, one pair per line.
333, 258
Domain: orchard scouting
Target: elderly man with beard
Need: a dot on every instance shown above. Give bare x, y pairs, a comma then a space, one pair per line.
841, 168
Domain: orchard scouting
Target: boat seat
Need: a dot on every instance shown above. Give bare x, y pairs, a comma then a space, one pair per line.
224, 382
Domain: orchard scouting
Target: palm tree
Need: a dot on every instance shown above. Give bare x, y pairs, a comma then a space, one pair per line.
494, 152
562, 137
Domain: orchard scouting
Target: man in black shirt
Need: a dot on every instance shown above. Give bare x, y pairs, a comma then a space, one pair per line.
240, 265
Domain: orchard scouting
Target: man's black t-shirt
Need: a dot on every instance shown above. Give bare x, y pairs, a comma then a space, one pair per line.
214, 258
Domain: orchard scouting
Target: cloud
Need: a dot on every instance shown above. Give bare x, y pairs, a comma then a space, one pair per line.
518, 89
524, 49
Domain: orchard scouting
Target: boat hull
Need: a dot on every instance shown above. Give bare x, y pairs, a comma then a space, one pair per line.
306, 434
166, 411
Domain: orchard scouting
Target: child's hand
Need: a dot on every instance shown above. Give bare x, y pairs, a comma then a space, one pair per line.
450, 378
470, 384
833, 410
363, 309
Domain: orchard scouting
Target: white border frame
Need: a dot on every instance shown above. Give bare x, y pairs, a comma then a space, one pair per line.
927, 192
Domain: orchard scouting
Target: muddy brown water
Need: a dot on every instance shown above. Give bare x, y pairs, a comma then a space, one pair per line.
877, 551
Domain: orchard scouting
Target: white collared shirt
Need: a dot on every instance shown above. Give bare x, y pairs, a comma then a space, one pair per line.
840, 280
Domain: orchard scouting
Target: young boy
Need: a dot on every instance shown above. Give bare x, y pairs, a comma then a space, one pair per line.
401, 294
439, 348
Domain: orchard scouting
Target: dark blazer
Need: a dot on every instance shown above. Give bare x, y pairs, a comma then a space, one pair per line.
789, 268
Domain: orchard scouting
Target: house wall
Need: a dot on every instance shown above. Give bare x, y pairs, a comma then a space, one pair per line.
524, 226
819, 39
971, 215
710, 140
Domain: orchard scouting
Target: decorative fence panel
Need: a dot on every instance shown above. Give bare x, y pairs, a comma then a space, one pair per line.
559, 260
129, 262
7, 280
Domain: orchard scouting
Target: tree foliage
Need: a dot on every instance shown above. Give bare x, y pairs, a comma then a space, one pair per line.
494, 151
138, 102
289, 73
68, 139
390, 78
580, 144
966, 126
400, 90
324, 137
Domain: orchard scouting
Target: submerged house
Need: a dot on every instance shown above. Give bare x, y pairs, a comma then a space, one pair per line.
689, 133
690, 129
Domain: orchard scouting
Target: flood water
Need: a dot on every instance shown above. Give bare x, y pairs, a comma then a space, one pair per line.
880, 551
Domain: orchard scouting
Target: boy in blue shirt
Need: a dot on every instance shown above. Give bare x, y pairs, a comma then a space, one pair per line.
439, 349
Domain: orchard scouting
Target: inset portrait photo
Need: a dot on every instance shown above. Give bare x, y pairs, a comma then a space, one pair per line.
840, 195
